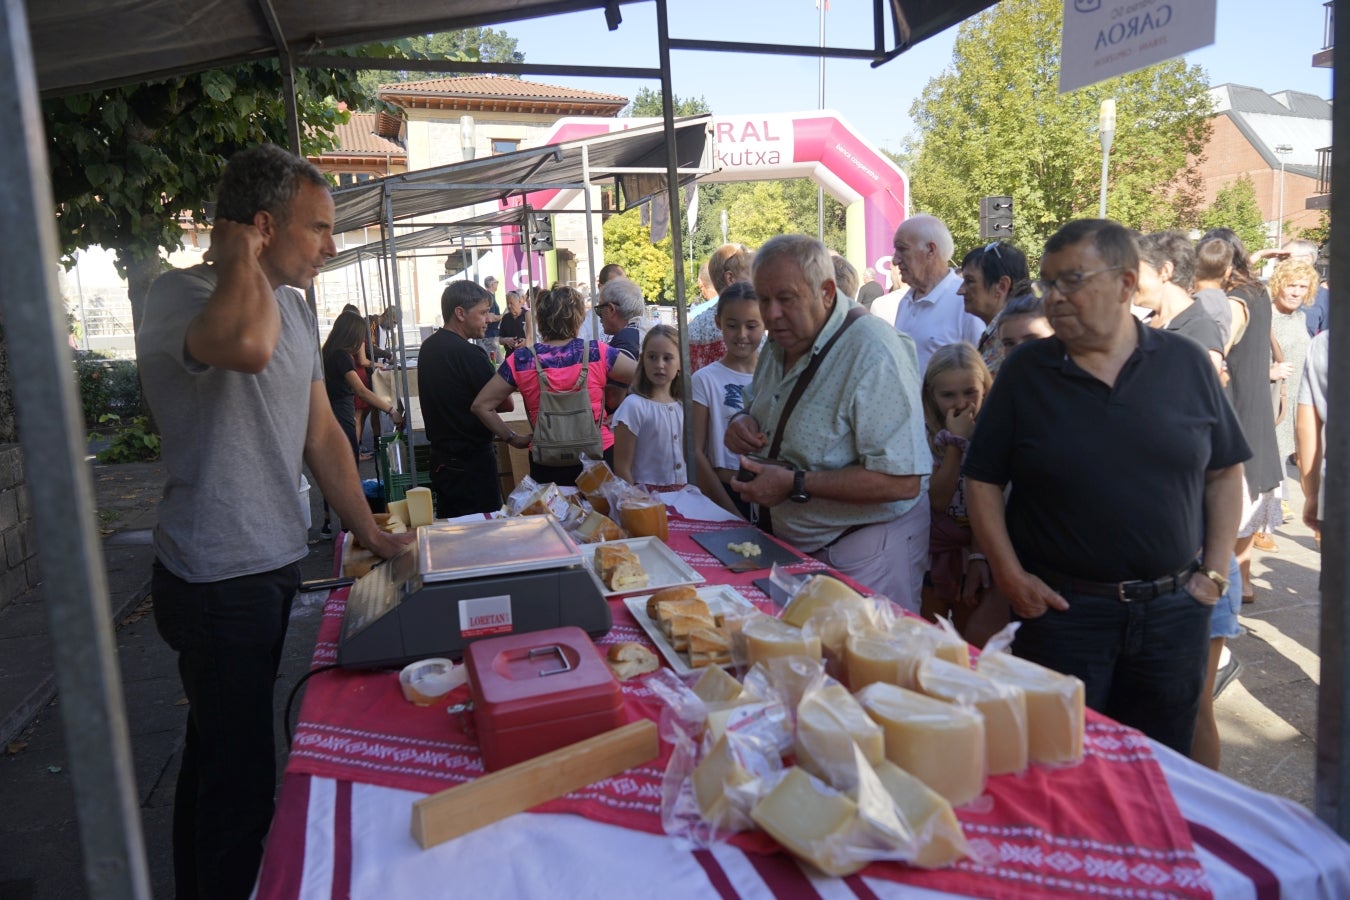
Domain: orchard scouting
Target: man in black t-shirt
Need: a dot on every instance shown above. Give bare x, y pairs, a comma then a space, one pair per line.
450, 373
1125, 465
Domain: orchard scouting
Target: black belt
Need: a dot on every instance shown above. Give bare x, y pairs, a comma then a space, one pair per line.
1124, 591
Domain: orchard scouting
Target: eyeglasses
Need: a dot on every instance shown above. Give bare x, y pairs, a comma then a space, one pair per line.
1066, 284
600, 307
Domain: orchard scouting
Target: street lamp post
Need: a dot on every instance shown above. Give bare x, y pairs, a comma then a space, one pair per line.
1106, 131
1281, 150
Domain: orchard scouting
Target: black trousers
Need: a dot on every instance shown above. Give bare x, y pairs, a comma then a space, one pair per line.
466, 484
228, 635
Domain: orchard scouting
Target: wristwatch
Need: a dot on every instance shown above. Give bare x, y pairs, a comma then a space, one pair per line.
1217, 577
799, 494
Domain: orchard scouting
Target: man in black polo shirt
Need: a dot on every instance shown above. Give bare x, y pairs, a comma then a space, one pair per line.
1125, 462
450, 373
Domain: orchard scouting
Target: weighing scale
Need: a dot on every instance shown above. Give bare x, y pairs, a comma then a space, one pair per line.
464, 581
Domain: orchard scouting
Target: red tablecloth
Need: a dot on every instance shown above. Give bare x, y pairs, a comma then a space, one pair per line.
1107, 827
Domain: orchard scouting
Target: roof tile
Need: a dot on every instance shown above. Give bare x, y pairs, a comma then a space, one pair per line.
498, 87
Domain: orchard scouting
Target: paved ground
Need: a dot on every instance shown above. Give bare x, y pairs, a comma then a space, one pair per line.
1267, 718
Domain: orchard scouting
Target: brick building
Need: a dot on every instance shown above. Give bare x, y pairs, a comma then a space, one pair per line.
1254, 132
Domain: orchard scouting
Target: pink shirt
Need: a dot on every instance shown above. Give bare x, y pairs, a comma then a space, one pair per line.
562, 369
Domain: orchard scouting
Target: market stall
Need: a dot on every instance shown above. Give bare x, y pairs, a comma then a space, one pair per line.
1132, 820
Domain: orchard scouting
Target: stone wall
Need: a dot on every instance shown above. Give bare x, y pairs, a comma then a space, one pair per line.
18, 561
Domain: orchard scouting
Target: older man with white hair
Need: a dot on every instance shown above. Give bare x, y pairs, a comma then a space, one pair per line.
932, 311
620, 310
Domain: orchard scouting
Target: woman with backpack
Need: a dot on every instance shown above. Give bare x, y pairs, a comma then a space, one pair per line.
561, 378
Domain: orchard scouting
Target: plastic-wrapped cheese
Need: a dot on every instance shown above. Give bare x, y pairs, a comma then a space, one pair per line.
812, 820
1055, 716
1004, 707
765, 721
829, 723
946, 645
419, 507
722, 768
819, 592
929, 816
939, 743
876, 657
767, 638
716, 686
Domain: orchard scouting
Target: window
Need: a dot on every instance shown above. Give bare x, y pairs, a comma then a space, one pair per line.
500, 145
347, 179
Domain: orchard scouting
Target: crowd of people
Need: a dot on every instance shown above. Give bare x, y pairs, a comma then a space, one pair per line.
1091, 454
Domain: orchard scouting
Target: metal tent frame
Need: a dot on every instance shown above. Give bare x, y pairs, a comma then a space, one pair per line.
63, 46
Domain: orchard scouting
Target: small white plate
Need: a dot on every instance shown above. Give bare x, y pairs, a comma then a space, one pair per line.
663, 567
721, 599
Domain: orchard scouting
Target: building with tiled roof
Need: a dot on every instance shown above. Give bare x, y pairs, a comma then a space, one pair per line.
488, 94
1274, 139
370, 145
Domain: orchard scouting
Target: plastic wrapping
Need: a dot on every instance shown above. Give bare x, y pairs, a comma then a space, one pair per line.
946, 642
1055, 702
941, 744
1003, 705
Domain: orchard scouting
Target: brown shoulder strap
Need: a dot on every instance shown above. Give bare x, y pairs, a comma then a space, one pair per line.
804, 379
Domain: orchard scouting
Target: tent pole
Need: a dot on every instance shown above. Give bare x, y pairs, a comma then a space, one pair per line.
590, 236
676, 235
1333, 715
60, 488
392, 256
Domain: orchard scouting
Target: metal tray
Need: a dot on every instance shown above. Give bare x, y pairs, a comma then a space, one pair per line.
771, 552
720, 598
459, 550
663, 567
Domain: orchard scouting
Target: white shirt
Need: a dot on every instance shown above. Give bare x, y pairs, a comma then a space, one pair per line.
937, 319
722, 392
658, 457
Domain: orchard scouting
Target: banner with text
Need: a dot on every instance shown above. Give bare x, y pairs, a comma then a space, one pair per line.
1105, 38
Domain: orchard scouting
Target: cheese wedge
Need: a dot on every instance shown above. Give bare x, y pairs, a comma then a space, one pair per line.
820, 592
767, 638
420, 510
1055, 715
1004, 707
766, 721
716, 686
945, 645
829, 723
929, 816
724, 766
873, 658
398, 509
806, 816
939, 743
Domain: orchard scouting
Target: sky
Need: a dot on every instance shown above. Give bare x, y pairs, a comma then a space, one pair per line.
1259, 44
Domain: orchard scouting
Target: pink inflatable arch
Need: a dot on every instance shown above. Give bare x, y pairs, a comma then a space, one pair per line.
819, 144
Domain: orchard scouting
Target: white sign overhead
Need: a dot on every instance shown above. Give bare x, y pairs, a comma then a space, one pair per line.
1106, 38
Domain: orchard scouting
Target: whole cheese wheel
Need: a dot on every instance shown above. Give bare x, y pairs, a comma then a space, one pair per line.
939, 743
1004, 707
767, 638
1055, 713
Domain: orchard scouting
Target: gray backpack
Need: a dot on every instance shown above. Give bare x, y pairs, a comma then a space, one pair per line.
566, 426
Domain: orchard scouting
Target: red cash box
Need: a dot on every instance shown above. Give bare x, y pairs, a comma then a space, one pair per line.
536, 692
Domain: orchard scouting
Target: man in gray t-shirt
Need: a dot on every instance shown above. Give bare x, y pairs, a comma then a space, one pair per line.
228, 359
1310, 432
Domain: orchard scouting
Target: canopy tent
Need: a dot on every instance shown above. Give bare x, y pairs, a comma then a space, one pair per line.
74, 45
433, 236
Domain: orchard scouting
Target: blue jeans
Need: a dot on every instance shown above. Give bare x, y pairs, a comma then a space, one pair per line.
228, 635
1143, 662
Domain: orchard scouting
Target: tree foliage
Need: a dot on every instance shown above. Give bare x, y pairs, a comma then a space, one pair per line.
470, 44
629, 243
1235, 207
994, 123
647, 104
128, 160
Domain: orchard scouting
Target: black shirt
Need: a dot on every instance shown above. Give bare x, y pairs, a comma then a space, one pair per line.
628, 340
1107, 482
450, 373
493, 327
512, 326
1195, 323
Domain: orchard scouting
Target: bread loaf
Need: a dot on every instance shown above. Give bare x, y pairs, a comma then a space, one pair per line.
671, 594
630, 659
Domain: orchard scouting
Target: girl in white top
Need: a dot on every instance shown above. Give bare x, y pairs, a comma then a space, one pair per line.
649, 423
719, 393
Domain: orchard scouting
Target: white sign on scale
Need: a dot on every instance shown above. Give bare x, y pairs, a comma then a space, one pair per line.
1106, 38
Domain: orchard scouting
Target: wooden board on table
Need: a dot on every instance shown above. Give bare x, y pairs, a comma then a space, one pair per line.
771, 553
468, 807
